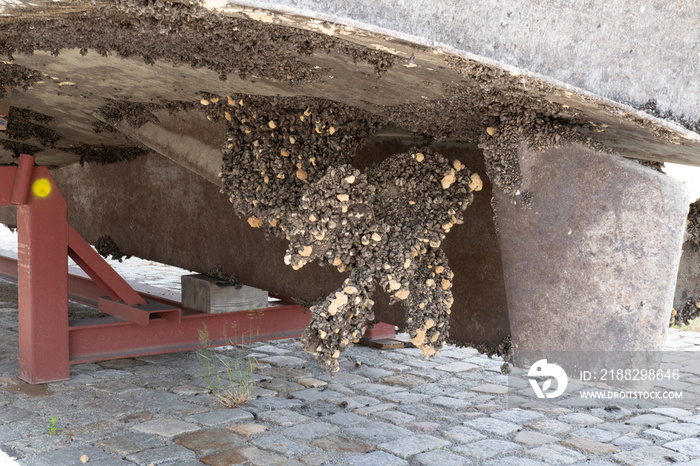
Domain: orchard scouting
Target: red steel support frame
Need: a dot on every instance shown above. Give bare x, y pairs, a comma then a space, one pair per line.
49, 343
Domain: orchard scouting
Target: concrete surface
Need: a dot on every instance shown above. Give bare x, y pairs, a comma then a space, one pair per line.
607, 48
590, 250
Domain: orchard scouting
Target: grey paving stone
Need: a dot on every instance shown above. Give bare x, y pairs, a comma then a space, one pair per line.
580, 419
492, 388
685, 429
630, 441
599, 435
462, 434
310, 431
283, 417
270, 404
649, 420
412, 445
162, 455
424, 411
285, 361
346, 419
396, 417
550, 426
376, 458
315, 394
378, 432
485, 449
10, 414
649, 456
589, 462
589, 446
619, 427
689, 446
405, 397
354, 402
544, 407
7, 434
694, 419
426, 427
377, 389
512, 461
494, 426
672, 412
457, 366
373, 372
367, 410
166, 427
315, 458
272, 349
280, 444
555, 454
70, 456
449, 402
404, 380
343, 378
442, 458
222, 416
661, 435
531, 438
128, 443
518, 416
432, 389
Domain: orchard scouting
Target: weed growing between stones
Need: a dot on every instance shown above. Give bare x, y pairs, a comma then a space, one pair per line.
228, 376
53, 429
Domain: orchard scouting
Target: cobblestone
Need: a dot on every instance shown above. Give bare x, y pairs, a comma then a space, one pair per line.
689, 446
590, 446
494, 426
442, 458
649, 456
485, 449
406, 447
310, 431
555, 454
395, 408
166, 427
280, 444
221, 416
376, 458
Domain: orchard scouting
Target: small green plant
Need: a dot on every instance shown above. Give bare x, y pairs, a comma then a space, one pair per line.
228, 376
53, 429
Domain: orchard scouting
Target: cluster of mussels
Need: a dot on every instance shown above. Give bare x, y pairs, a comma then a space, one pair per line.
524, 127
693, 225
287, 168
689, 311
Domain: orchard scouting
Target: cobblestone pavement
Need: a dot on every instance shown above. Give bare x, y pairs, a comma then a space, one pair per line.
385, 407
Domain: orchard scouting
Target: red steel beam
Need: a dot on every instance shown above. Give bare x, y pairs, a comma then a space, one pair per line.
99, 270
42, 229
82, 289
93, 341
110, 338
